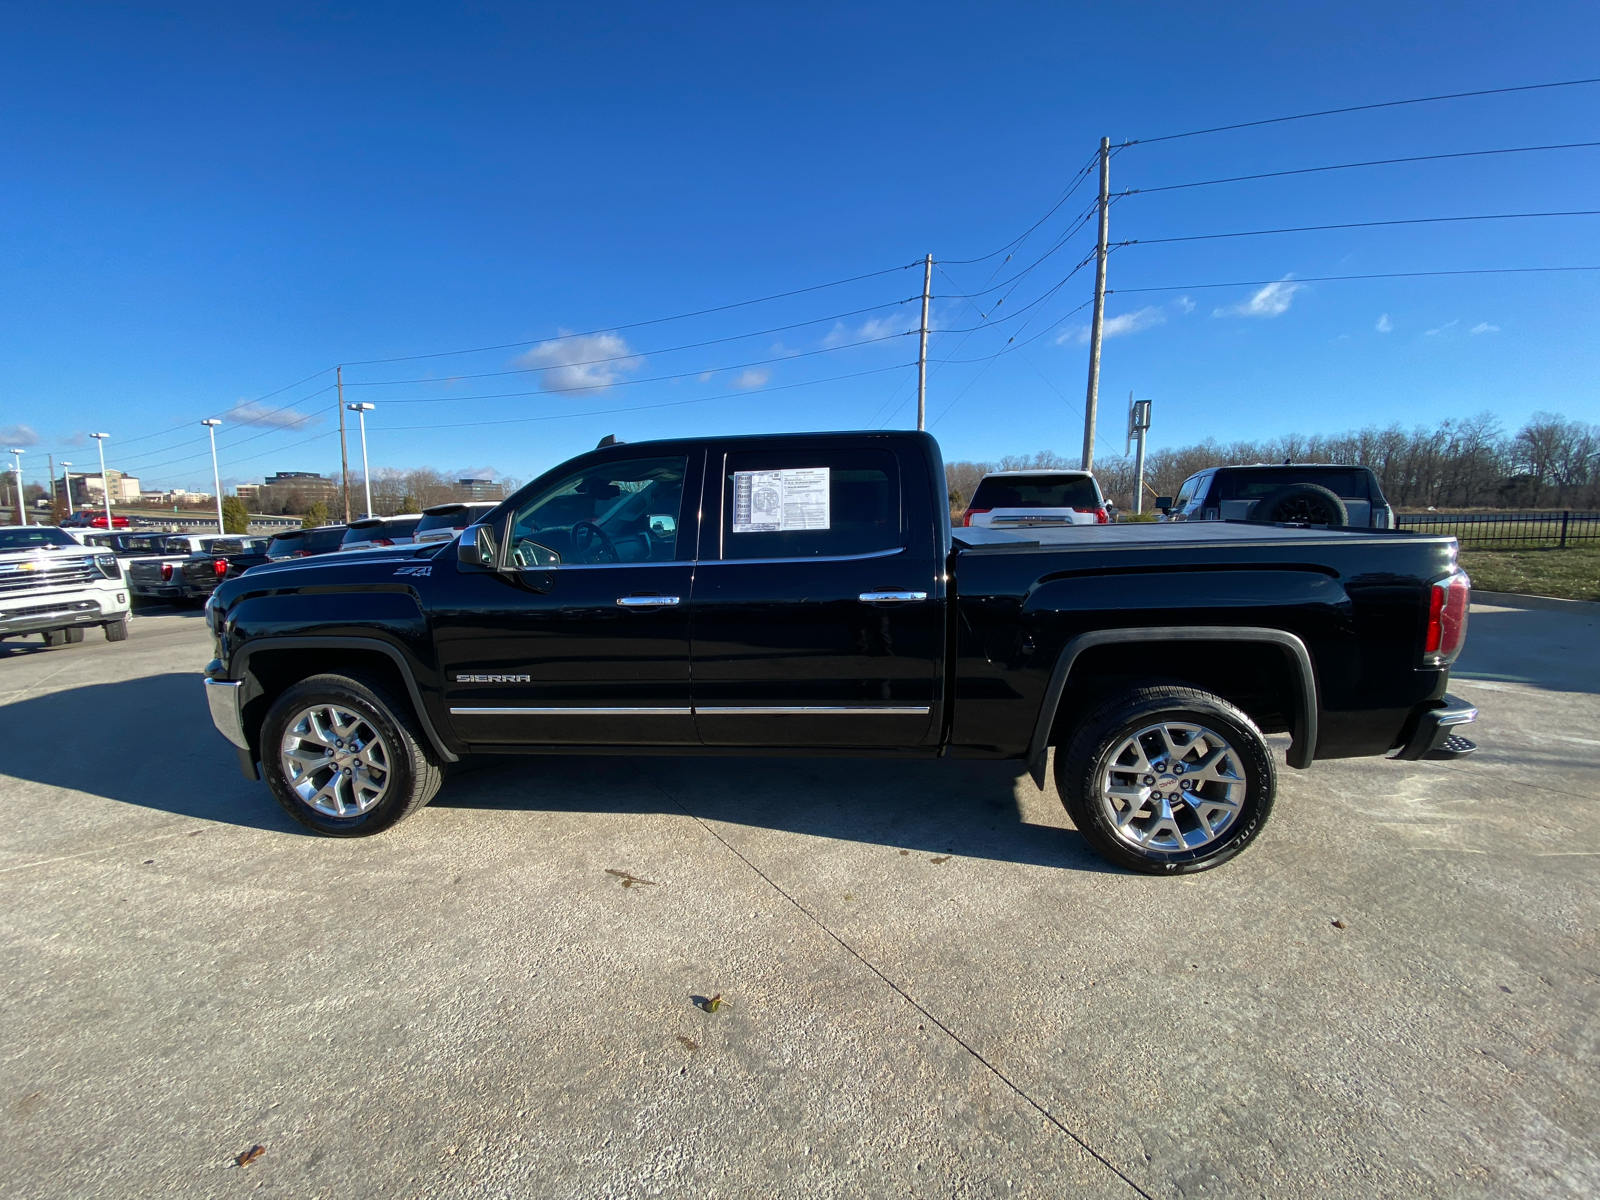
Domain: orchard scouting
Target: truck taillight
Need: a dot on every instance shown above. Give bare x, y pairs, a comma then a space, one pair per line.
970, 513
1101, 517
220, 566
1447, 620
166, 572
383, 541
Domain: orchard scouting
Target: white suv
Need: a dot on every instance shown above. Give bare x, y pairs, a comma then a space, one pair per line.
1030, 499
49, 584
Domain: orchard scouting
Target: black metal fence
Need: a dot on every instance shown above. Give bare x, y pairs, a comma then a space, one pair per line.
1510, 530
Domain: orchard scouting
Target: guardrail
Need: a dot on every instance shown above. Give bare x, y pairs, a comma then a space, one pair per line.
1510, 531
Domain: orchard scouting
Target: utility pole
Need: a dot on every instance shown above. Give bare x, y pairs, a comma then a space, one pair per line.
51, 492
211, 424
922, 355
1093, 397
1138, 426
344, 450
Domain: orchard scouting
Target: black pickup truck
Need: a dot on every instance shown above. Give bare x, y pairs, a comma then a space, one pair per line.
793, 595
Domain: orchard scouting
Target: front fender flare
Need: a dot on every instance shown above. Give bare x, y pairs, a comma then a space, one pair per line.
1301, 749
239, 667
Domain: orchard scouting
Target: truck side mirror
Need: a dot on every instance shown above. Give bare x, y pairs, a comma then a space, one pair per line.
476, 547
1164, 503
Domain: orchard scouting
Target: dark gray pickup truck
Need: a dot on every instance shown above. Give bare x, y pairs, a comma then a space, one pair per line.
804, 594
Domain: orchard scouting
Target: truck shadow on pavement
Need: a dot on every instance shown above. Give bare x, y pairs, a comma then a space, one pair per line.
149, 742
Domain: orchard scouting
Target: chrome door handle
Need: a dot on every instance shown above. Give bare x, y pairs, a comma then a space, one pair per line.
892, 596
647, 601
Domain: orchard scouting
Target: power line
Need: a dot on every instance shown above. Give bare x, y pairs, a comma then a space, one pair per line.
655, 378
636, 354
1187, 287
1206, 237
591, 412
1377, 162
1330, 112
637, 324
1015, 243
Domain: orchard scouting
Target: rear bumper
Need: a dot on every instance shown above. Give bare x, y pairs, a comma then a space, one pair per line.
1438, 732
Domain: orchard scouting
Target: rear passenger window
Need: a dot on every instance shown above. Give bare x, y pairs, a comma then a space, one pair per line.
810, 504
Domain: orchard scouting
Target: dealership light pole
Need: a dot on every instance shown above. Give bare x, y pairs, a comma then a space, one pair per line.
66, 484
361, 411
211, 424
22, 511
105, 484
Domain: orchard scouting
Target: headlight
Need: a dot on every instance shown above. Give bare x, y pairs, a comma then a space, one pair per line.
108, 565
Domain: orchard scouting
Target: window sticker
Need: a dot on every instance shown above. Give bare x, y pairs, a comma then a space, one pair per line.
778, 501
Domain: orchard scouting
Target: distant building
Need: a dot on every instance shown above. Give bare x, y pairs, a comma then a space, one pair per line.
295, 492
250, 493
479, 489
124, 488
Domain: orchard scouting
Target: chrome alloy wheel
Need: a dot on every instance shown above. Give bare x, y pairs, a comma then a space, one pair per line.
1172, 786
335, 761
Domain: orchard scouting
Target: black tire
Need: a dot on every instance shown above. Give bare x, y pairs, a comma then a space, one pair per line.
55, 637
116, 631
412, 777
1080, 764
74, 635
1306, 503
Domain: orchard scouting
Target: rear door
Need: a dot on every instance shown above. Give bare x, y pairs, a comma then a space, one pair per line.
817, 609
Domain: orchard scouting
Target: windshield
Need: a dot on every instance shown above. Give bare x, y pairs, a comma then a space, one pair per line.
33, 537
1037, 491
388, 529
454, 518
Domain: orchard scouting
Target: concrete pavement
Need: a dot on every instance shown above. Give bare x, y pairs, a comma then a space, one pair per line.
930, 988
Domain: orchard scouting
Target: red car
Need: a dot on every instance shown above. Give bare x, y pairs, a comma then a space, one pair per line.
86, 520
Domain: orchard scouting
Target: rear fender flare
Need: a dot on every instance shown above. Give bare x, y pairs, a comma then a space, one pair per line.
240, 667
1301, 749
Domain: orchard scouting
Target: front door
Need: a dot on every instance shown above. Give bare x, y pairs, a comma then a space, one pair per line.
817, 612
578, 634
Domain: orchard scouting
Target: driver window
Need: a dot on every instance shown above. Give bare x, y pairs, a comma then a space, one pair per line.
622, 511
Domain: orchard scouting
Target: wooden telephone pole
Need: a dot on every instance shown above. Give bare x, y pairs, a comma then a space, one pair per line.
922, 355
1093, 398
344, 450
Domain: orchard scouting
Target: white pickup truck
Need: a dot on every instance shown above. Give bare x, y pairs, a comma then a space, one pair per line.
51, 585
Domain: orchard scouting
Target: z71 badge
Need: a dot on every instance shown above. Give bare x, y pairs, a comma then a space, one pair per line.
422, 571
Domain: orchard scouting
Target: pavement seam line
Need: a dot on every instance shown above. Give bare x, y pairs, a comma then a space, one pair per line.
45, 862
901, 992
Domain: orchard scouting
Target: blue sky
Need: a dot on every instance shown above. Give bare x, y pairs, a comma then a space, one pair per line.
200, 207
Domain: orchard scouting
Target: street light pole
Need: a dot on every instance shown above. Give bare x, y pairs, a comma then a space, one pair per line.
361, 411
105, 483
22, 510
211, 424
66, 484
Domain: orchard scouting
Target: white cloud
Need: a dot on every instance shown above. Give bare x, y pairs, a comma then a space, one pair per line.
871, 329
250, 412
1271, 301
782, 351
18, 435
1125, 323
751, 379
705, 376
588, 363
1185, 304
1442, 328
1483, 327
1384, 325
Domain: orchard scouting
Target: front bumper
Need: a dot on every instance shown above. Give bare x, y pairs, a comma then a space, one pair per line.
26, 614
224, 697
1437, 736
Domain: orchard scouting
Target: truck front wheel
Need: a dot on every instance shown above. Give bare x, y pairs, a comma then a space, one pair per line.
1167, 780
344, 757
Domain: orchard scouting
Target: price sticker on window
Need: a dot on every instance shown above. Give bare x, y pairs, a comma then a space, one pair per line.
779, 501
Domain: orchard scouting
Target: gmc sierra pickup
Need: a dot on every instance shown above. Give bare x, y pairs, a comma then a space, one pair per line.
804, 594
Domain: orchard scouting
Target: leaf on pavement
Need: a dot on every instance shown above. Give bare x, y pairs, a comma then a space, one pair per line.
629, 881
249, 1156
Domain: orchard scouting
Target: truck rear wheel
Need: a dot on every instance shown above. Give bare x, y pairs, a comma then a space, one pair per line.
344, 757
1167, 780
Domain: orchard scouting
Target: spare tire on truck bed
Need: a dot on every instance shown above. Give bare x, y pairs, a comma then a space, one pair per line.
1307, 503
